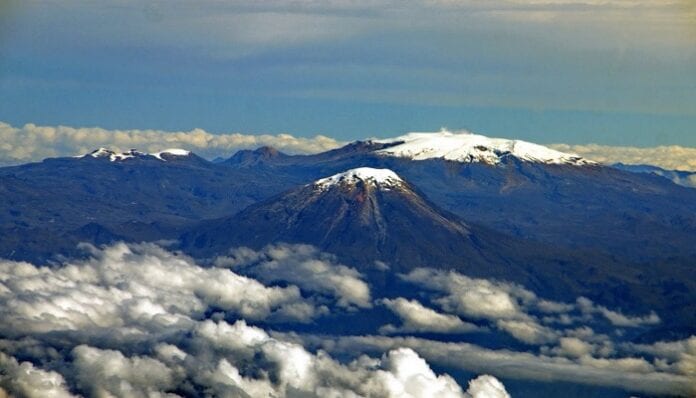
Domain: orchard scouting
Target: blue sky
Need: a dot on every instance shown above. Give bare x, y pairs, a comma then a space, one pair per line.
617, 72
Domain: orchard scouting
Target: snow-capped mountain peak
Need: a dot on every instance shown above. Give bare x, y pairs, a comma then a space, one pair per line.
132, 153
382, 178
468, 148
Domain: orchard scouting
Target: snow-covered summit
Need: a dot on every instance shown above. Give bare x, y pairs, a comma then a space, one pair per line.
382, 178
132, 153
468, 147
114, 156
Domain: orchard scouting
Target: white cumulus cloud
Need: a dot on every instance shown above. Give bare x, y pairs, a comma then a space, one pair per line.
28, 381
142, 286
506, 305
487, 386
408, 375
477, 298
103, 373
305, 266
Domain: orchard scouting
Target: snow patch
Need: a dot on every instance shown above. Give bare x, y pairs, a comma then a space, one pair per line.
132, 153
382, 178
468, 148
114, 156
100, 153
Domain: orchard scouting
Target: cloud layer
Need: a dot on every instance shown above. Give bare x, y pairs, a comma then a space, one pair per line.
34, 143
139, 321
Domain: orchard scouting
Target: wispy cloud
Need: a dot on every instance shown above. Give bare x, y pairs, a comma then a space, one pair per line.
617, 318
417, 318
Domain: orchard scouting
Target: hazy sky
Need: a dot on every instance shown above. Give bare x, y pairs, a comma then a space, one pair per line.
617, 72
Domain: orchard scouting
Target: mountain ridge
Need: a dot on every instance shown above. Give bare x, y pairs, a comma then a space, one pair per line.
636, 215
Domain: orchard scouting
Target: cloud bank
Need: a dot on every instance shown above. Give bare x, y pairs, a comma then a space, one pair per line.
630, 373
33, 143
671, 157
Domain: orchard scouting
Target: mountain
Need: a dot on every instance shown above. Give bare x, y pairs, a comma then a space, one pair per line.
250, 158
684, 178
363, 214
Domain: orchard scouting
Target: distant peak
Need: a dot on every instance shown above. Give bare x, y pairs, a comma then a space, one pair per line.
133, 153
267, 151
252, 157
467, 147
382, 178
